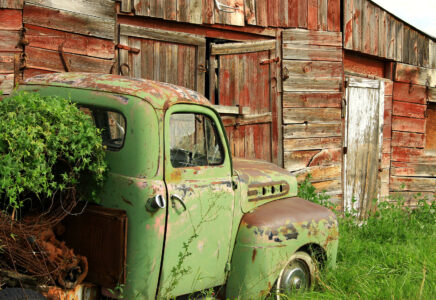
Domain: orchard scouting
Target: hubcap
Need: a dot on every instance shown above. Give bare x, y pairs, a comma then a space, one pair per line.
295, 277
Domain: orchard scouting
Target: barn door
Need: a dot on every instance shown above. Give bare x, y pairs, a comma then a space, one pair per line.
363, 143
242, 85
167, 56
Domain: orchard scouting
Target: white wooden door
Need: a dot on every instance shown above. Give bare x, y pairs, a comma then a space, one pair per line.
363, 143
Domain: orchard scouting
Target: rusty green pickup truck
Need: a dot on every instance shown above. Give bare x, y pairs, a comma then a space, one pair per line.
178, 213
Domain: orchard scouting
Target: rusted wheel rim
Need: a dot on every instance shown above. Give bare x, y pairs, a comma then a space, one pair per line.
297, 276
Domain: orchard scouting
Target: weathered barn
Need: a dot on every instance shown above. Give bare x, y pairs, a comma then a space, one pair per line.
343, 90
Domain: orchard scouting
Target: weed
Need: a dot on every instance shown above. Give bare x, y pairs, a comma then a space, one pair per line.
388, 256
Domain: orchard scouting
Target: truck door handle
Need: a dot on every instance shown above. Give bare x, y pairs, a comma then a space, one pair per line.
177, 197
155, 203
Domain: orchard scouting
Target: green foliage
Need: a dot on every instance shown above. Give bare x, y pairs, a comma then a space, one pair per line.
47, 146
388, 256
307, 191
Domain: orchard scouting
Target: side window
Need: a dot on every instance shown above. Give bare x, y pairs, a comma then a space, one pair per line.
194, 141
112, 125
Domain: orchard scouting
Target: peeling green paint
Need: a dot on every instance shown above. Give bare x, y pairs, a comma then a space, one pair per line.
239, 214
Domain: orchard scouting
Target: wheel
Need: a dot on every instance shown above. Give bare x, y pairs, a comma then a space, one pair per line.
20, 294
297, 276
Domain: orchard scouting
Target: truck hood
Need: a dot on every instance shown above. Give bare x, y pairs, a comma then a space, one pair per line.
261, 182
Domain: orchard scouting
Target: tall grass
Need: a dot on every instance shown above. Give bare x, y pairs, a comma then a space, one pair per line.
392, 255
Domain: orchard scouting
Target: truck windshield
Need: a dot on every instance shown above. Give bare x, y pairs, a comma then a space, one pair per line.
111, 123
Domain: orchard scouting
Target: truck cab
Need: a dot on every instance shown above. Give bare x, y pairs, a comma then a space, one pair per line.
193, 217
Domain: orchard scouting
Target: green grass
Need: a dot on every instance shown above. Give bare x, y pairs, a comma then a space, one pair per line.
392, 255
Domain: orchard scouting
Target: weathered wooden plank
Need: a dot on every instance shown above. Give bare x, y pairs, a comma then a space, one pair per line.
208, 11
415, 75
386, 160
9, 41
306, 37
412, 155
327, 157
297, 160
412, 184
28, 72
399, 34
162, 35
406, 45
410, 93
412, 198
126, 6
51, 61
375, 29
246, 47
6, 62
283, 11
272, 13
312, 130
382, 33
311, 52
250, 12
322, 15
13, 4
302, 84
432, 95
387, 130
312, 14
328, 186
11, 19
302, 13
292, 13
357, 25
236, 17
334, 15
319, 173
103, 8
366, 27
386, 146
6, 83
413, 47
51, 39
410, 110
432, 54
69, 21
312, 99
408, 139
312, 115
408, 124
389, 87
313, 68
430, 131
348, 23
413, 170
142, 7
391, 38
312, 143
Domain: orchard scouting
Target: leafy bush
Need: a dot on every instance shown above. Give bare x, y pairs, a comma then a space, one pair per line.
47, 146
308, 192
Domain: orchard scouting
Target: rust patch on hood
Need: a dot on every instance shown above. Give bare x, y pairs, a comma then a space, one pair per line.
275, 214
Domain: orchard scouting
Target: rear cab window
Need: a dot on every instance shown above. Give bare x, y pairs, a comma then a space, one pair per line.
111, 123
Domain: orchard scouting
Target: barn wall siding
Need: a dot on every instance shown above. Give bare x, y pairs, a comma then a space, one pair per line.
413, 166
371, 30
10, 44
312, 93
69, 36
308, 14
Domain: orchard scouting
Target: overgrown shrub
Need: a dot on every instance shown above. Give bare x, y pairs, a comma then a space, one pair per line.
47, 147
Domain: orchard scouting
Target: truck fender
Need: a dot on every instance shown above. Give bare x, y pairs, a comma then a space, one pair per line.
267, 238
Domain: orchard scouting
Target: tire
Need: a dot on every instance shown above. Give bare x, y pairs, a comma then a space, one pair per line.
20, 294
297, 276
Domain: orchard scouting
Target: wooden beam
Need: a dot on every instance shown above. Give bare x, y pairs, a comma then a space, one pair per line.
245, 47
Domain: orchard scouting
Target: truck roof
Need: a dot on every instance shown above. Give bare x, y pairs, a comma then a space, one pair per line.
159, 94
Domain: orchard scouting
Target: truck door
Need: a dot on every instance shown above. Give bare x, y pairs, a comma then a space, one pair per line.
200, 201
